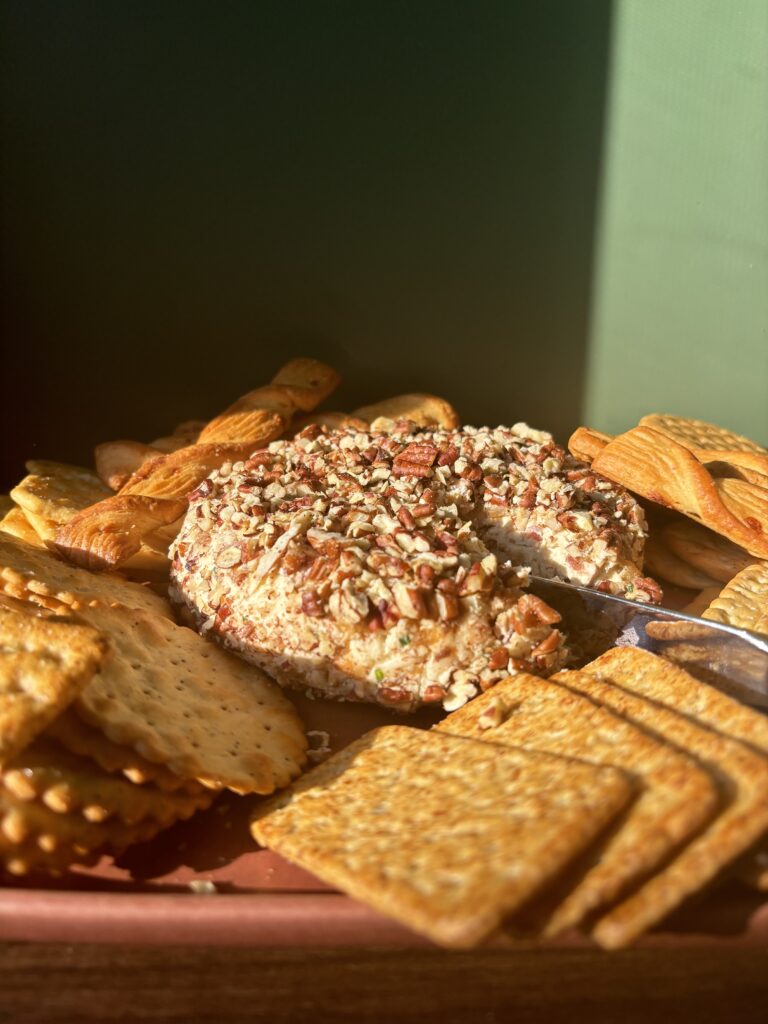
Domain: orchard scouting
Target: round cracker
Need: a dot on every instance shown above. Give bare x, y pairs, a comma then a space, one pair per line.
699, 434
188, 704
69, 784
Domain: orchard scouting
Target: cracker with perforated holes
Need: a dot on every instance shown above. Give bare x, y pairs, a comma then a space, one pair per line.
44, 663
744, 601
35, 574
445, 834
186, 703
78, 737
69, 784
677, 796
668, 684
743, 775
699, 434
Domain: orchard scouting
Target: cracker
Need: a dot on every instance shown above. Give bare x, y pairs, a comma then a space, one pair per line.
70, 784
30, 822
54, 492
186, 703
666, 683
307, 381
699, 434
105, 535
78, 737
35, 574
705, 550
445, 834
184, 433
744, 601
16, 524
743, 775
640, 672
660, 469
19, 859
702, 601
662, 563
117, 461
424, 410
676, 795
44, 663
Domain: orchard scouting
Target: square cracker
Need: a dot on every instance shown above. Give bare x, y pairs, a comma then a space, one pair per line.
744, 601
743, 775
445, 834
640, 672
44, 663
676, 795
35, 574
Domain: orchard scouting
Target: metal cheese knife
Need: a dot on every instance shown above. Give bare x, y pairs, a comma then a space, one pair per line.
734, 660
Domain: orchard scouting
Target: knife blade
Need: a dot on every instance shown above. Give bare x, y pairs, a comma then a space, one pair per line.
732, 659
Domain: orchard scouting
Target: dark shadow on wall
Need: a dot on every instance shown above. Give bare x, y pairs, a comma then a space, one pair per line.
194, 192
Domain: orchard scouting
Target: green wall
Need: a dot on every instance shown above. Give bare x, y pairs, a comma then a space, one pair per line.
680, 313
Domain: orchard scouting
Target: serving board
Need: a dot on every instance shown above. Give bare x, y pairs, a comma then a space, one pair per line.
204, 881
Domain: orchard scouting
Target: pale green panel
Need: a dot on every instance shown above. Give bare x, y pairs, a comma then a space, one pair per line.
680, 311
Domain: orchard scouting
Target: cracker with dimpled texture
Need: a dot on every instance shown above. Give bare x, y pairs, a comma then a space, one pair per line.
44, 663
443, 833
743, 775
668, 684
676, 795
744, 601
69, 784
699, 434
30, 821
186, 703
21, 859
80, 738
38, 575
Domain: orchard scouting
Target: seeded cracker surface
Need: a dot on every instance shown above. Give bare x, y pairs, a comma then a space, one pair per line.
381, 567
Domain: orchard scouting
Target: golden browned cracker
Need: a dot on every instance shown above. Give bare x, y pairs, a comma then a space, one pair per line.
80, 738
707, 551
20, 859
676, 795
699, 434
184, 434
662, 563
744, 601
44, 663
743, 775
30, 821
107, 534
184, 702
701, 601
330, 420
585, 443
117, 461
54, 492
16, 524
35, 574
424, 410
70, 784
660, 469
659, 680
445, 834
307, 381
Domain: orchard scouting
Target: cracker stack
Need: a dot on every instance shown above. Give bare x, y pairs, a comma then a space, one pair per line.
443, 831
114, 721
